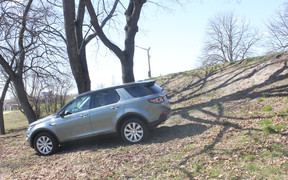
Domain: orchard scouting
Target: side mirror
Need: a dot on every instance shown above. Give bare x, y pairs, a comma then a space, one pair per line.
63, 114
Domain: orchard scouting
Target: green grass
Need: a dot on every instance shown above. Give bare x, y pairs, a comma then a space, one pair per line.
250, 59
279, 127
260, 100
252, 167
282, 113
15, 120
269, 129
251, 157
265, 122
267, 108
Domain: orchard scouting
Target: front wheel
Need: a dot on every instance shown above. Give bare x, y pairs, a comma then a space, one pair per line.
134, 131
45, 144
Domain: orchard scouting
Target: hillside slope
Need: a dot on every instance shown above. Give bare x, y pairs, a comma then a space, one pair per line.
228, 122
243, 110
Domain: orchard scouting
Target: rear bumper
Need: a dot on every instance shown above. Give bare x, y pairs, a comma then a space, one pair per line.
162, 118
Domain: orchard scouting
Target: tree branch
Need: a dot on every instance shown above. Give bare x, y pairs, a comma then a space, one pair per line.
21, 37
99, 30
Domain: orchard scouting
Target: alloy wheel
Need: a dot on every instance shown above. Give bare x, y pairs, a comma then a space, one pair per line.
133, 132
44, 145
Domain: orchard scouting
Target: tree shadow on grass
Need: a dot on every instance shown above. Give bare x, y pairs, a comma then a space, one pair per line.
280, 91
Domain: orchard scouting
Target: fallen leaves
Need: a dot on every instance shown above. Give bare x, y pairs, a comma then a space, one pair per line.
214, 132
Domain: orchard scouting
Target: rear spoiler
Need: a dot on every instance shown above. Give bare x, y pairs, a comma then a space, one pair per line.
147, 83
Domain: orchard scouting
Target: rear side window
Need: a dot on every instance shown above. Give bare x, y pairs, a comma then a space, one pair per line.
106, 97
143, 90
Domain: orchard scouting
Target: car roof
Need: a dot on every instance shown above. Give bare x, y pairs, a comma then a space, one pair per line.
145, 83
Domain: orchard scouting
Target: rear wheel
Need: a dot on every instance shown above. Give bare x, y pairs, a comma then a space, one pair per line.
45, 144
134, 131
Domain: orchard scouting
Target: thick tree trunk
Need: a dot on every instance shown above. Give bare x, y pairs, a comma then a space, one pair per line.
127, 70
75, 48
2, 98
81, 75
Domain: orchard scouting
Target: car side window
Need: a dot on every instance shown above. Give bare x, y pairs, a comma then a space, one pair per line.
106, 97
138, 91
78, 105
143, 90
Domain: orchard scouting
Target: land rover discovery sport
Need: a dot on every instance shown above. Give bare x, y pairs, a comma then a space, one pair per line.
129, 110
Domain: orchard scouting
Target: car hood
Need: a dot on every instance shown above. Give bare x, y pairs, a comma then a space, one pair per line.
47, 118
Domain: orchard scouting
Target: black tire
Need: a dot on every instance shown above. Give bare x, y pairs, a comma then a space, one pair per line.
134, 131
45, 144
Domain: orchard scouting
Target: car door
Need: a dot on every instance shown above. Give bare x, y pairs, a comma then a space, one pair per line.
108, 107
74, 121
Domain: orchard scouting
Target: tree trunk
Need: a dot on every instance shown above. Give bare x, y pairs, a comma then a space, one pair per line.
127, 70
75, 47
2, 126
5, 89
22, 96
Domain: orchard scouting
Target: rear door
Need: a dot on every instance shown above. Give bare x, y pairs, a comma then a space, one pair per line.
108, 107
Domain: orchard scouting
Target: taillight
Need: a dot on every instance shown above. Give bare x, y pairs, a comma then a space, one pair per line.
156, 100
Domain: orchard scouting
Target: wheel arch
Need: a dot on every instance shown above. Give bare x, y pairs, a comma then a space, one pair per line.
129, 116
42, 130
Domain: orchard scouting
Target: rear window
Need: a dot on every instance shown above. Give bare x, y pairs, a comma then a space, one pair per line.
143, 90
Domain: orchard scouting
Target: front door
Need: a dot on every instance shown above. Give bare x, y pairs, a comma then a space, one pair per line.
75, 119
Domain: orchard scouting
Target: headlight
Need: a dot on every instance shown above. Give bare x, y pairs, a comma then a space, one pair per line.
30, 128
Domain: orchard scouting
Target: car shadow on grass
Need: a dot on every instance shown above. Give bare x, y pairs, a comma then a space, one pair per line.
157, 135
165, 133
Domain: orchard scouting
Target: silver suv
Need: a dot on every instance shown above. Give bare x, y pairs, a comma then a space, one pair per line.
129, 110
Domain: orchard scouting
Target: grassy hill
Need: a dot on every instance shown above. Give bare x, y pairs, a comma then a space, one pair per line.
228, 122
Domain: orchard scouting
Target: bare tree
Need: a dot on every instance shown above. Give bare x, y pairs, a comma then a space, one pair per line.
79, 34
28, 43
278, 30
228, 38
103, 17
132, 15
16, 74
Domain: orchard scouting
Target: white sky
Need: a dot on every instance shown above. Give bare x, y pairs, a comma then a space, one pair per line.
175, 37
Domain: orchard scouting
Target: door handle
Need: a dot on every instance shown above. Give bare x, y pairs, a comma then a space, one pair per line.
83, 115
114, 107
